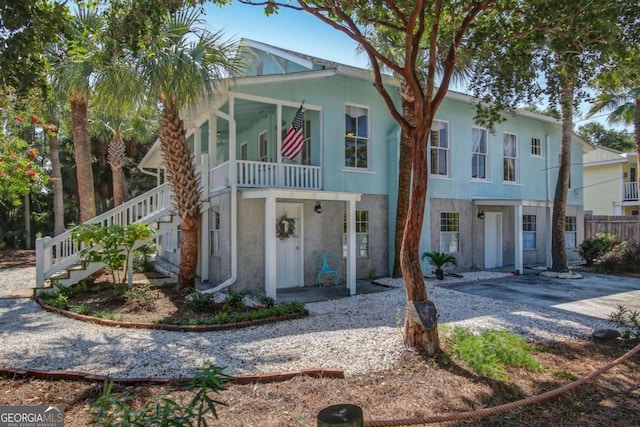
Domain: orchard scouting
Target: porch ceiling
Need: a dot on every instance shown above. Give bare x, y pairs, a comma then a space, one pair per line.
245, 114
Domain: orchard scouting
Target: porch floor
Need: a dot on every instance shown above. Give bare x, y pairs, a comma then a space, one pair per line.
325, 293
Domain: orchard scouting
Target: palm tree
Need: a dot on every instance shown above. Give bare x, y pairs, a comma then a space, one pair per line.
439, 260
137, 123
624, 104
181, 63
74, 62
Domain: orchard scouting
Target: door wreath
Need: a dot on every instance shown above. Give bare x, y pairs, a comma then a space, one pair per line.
285, 227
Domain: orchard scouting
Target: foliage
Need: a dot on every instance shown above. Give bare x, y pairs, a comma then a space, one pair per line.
265, 300
226, 316
491, 351
439, 260
596, 133
234, 301
623, 258
140, 297
113, 410
591, 250
628, 320
201, 302
59, 297
111, 245
142, 261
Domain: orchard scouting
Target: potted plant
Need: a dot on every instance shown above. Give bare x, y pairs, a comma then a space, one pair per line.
439, 259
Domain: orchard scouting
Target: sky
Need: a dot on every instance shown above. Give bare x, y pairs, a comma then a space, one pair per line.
300, 32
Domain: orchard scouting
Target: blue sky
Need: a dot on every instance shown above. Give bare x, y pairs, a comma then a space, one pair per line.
288, 29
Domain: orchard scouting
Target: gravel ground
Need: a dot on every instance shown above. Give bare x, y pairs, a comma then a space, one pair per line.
357, 334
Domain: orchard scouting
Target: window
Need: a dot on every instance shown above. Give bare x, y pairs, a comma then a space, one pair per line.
214, 229
263, 146
439, 148
449, 232
528, 232
306, 144
536, 147
179, 237
510, 157
356, 140
362, 234
479, 151
243, 151
570, 231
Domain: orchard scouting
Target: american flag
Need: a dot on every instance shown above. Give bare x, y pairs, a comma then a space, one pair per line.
292, 144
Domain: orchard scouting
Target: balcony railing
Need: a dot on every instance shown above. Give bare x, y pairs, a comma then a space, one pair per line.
271, 175
630, 191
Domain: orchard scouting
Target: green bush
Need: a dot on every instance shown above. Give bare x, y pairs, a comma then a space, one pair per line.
591, 250
491, 351
623, 258
627, 320
140, 297
203, 303
234, 301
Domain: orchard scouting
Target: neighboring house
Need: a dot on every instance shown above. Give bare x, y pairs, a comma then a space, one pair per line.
610, 182
264, 217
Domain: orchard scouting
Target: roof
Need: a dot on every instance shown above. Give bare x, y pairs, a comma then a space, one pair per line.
603, 156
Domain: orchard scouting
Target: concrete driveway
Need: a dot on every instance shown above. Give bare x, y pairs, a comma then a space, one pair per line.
594, 295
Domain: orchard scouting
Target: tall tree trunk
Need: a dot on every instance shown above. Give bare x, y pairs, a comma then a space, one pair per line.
185, 184
404, 176
116, 157
86, 195
415, 335
27, 221
558, 243
636, 132
56, 181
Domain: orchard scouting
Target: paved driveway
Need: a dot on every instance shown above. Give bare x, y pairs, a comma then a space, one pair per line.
594, 295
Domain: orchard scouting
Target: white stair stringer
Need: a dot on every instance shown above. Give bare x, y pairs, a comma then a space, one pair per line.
58, 259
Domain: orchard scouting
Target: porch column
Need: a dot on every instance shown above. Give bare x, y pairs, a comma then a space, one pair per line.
270, 247
197, 144
204, 224
351, 246
517, 238
213, 140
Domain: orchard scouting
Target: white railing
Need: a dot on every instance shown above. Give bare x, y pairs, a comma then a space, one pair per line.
60, 252
264, 174
219, 176
630, 191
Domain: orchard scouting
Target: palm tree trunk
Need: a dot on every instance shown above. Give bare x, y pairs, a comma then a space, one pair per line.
185, 184
558, 243
636, 132
415, 335
56, 181
86, 195
115, 157
404, 177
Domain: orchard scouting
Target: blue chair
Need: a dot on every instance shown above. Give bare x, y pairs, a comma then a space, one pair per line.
322, 258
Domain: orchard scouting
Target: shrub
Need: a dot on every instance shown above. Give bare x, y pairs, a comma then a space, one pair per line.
623, 258
591, 250
142, 261
140, 297
627, 320
440, 259
234, 301
491, 351
203, 303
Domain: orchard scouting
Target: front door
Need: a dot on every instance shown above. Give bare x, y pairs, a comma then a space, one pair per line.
289, 250
492, 239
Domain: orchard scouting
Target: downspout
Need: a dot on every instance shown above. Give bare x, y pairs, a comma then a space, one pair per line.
549, 214
233, 180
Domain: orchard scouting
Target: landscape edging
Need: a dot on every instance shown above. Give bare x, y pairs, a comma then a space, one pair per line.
163, 326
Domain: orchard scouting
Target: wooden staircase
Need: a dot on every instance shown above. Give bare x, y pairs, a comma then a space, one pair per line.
58, 259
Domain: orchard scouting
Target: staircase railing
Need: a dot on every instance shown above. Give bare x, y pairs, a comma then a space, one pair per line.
60, 252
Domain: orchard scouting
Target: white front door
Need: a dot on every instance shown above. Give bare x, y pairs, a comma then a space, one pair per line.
289, 250
492, 239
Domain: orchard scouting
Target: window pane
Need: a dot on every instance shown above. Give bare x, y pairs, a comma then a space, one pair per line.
529, 240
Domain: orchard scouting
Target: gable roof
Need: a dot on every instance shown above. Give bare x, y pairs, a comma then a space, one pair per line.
603, 156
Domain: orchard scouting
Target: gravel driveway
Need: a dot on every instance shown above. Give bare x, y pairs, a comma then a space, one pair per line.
357, 334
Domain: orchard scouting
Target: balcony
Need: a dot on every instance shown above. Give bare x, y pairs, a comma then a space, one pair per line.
630, 191
253, 174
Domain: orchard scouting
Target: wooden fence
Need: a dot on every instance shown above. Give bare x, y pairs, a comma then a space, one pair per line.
623, 227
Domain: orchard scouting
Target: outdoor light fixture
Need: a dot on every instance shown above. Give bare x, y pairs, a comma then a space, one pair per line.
480, 214
318, 207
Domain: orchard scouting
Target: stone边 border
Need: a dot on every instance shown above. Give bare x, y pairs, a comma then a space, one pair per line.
164, 326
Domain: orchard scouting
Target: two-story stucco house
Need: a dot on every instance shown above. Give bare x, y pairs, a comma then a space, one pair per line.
265, 216
610, 182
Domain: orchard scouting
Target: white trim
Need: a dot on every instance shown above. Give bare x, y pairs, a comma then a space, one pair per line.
516, 158
271, 50
487, 155
448, 150
368, 138
277, 78
282, 193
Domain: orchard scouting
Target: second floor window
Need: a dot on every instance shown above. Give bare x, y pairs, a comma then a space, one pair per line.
439, 148
263, 146
528, 231
356, 140
510, 157
536, 147
362, 234
214, 228
449, 232
479, 151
